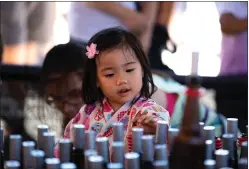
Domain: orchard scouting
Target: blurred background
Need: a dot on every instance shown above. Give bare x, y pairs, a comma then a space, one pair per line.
193, 26
190, 38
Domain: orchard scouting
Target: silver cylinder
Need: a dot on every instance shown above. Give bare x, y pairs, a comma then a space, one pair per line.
52, 163
210, 164
209, 134
221, 158
172, 133
96, 162
227, 143
118, 131
90, 136
41, 129
232, 127
161, 152
160, 164
87, 154
161, 132
65, 150
209, 149
78, 136
132, 160
243, 163
244, 150
12, 164
115, 166
68, 165
137, 134
27, 147
15, 147
148, 148
201, 128
37, 159
49, 144
118, 152
1, 138
103, 148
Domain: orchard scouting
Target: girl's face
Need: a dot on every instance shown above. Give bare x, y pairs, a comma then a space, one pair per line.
119, 75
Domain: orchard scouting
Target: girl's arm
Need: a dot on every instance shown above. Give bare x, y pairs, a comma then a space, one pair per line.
231, 25
150, 10
147, 119
165, 12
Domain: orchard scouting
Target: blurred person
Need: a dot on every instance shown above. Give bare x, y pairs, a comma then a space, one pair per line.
60, 89
150, 10
87, 18
159, 35
232, 100
27, 30
234, 45
61, 78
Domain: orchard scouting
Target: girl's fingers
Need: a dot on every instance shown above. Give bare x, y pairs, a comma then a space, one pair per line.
137, 116
149, 128
142, 118
148, 119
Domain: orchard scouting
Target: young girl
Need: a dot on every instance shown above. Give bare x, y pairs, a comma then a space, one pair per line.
117, 87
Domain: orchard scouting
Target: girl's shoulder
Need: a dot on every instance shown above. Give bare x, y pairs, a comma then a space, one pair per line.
149, 104
89, 108
84, 111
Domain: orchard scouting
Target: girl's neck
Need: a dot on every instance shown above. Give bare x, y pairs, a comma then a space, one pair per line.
115, 106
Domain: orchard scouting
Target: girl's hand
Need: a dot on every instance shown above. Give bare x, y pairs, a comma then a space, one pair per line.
146, 122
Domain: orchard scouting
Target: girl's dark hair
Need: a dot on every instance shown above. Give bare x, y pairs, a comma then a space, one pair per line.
106, 40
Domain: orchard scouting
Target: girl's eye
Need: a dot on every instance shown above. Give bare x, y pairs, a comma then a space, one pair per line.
130, 70
109, 75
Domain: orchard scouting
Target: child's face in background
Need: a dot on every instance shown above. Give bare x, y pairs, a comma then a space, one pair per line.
64, 91
119, 75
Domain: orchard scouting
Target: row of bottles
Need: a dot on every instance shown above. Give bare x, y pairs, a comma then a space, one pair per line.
193, 146
147, 151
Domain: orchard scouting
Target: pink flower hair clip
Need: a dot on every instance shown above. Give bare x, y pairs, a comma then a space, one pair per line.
91, 51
